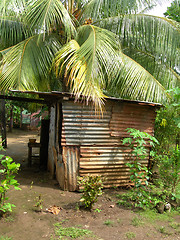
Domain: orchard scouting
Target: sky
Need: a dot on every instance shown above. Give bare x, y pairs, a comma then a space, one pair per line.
159, 10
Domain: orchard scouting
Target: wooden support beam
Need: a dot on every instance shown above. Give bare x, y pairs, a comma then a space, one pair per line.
22, 99
3, 124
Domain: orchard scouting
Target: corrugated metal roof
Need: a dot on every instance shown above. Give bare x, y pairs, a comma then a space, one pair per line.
57, 94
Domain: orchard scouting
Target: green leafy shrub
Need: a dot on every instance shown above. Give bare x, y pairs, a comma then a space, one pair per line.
143, 197
169, 168
167, 123
7, 174
92, 188
138, 142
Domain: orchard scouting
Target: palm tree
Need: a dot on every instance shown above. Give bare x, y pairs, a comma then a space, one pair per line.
94, 48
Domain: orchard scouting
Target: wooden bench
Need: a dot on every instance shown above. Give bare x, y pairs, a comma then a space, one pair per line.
30, 154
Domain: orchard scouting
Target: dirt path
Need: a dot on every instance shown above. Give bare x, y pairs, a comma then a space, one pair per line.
107, 220
17, 142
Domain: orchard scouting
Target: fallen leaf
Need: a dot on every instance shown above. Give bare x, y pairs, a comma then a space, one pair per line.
54, 209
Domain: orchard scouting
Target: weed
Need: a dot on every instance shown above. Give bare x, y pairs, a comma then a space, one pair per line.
9, 218
38, 199
31, 186
71, 232
124, 203
137, 142
144, 198
77, 207
119, 220
169, 168
130, 235
136, 221
8, 171
92, 189
39, 202
108, 223
98, 210
174, 225
164, 230
5, 238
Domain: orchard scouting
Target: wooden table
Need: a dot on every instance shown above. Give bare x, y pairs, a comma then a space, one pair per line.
30, 156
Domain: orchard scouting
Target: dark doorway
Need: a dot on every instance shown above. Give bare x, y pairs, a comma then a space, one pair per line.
44, 140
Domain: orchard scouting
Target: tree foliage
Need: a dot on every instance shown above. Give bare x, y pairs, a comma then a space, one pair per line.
173, 12
167, 123
95, 48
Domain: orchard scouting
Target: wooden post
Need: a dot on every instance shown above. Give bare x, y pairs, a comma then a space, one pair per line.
3, 124
21, 119
44, 140
11, 119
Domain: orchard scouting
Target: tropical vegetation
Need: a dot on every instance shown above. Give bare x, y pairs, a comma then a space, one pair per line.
173, 12
94, 48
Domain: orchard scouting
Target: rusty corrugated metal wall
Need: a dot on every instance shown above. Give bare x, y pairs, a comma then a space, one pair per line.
93, 145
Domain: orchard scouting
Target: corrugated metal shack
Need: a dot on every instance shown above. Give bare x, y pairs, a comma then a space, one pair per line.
83, 142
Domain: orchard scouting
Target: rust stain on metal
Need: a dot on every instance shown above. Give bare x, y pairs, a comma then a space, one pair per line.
71, 163
95, 144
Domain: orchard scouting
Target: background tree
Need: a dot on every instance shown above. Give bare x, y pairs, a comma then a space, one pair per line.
97, 48
167, 123
173, 12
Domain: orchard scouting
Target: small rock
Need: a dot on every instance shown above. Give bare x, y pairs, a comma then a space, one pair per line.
111, 206
167, 207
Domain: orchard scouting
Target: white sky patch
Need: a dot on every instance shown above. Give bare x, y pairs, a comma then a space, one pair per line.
160, 9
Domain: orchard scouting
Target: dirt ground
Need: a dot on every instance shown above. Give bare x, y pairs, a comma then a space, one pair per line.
106, 221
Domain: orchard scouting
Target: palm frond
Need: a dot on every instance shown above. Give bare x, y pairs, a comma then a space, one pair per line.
46, 14
154, 35
26, 65
134, 82
12, 31
166, 75
88, 62
11, 7
99, 9
73, 71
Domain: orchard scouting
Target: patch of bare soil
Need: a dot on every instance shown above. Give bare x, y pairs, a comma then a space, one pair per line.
107, 220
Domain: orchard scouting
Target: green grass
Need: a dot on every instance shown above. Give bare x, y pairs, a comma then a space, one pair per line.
164, 230
130, 235
108, 223
5, 238
9, 218
72, 232
136, 221
174, 225
152, 216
